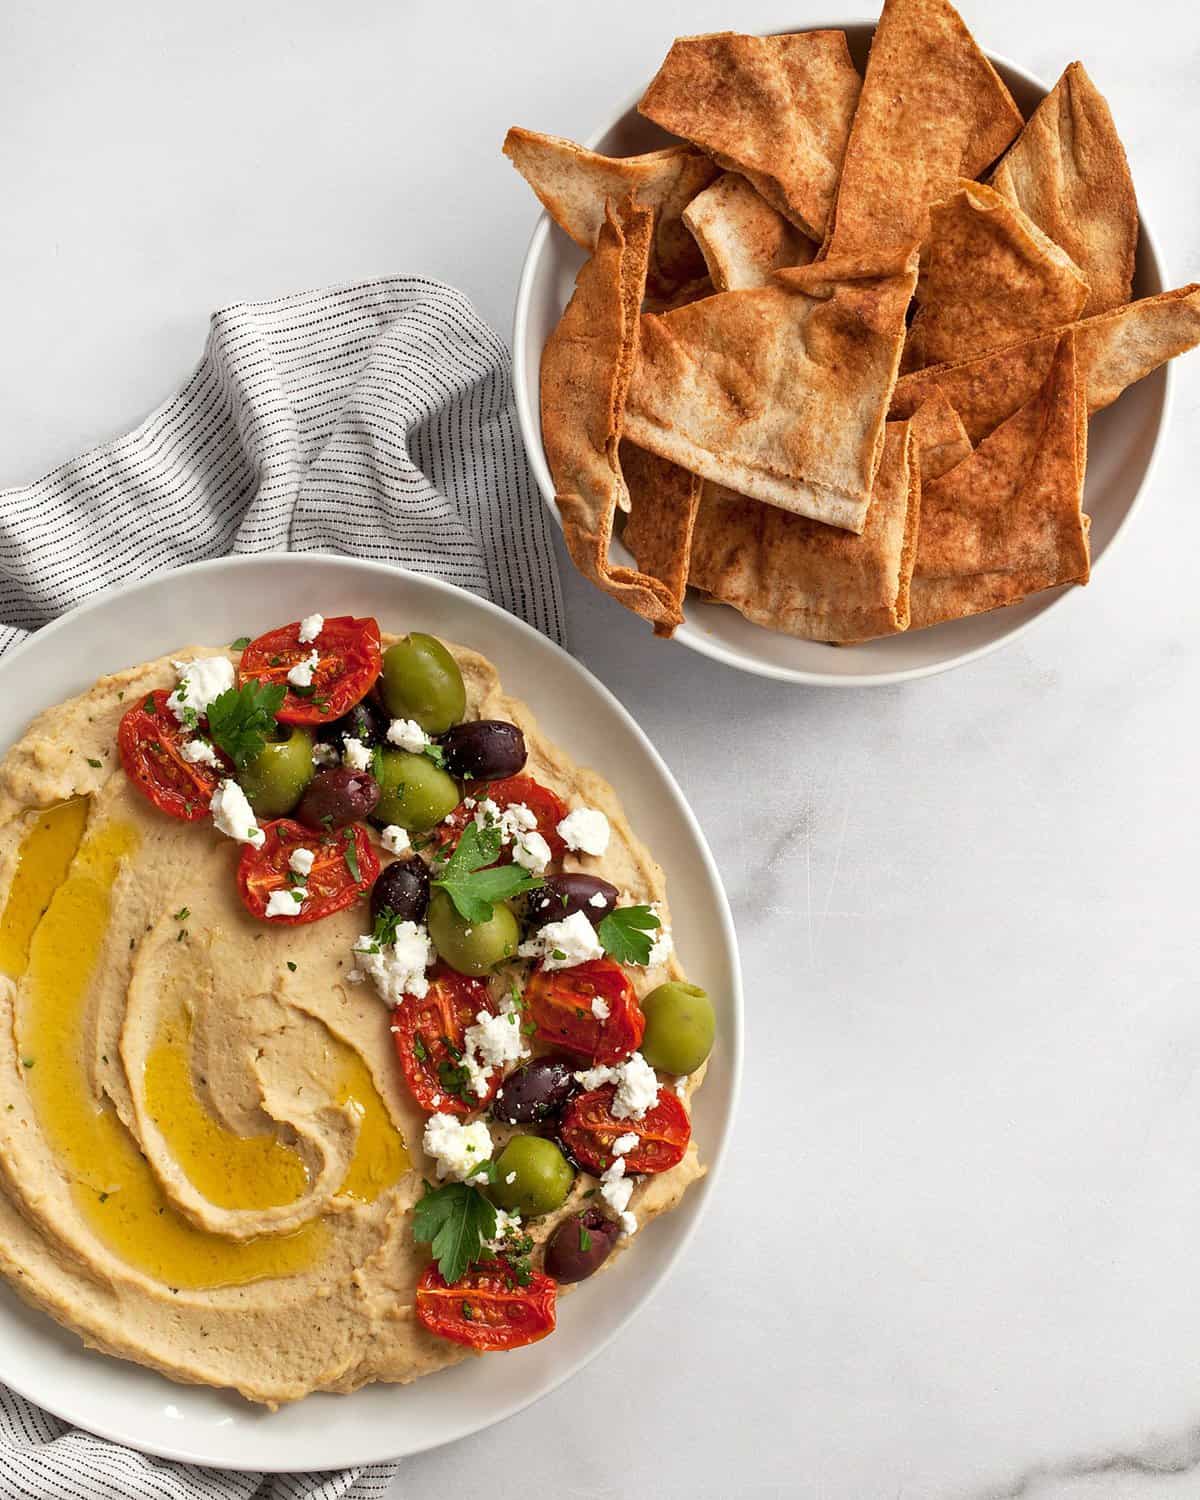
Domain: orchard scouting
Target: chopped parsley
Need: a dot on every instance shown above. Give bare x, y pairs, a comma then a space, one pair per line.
350, 854
95, 764
291, 965
585, 1239
181, 915
240, 719
240, 644
386, 923
624, 933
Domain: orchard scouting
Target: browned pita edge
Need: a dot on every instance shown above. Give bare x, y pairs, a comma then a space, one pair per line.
939, 437
990, 277
662, 512
1112, 351
742, 238
779, 392
932, 110
775, 108
573, 184
791, 574
1069, 173
1008, 521
586, 366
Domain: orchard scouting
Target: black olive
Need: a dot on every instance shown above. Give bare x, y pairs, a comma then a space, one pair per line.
365, 722
563, 894
334, 799
484, 750
580, 1245
403, 888
535, 1093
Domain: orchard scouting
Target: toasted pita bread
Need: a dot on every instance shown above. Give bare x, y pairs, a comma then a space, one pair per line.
775, 108
662, 512
573, 184
1068, 172
939, 437
586, 367
1112, 351
791, 574
779, 392
991, 277
932, 110
742, 238
1008, 521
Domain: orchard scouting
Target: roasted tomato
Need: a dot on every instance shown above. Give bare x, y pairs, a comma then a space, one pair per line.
349, 659
429, 1036
344, 867
589, 1128
487, 1309
151, 741
547, 807
560, 1004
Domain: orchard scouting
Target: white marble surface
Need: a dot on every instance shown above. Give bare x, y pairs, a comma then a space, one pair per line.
958, 1248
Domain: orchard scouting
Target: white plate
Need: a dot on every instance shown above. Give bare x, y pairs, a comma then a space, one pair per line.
1122, 446
219, 601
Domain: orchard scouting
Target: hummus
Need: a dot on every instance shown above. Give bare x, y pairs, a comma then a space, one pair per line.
208, 1154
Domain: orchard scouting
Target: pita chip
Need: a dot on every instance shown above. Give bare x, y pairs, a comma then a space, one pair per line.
1007, 521
779, 392
788, 573
742, 238
573, 184
586, 366
991, 278
662, 512
1068, 172
932, 110
939, 437
1112, 351
775, 108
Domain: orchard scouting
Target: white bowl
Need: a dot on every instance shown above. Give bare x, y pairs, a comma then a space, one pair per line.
1122, 446
219, 601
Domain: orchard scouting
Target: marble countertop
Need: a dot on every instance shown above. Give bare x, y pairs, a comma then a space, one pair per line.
956, 1250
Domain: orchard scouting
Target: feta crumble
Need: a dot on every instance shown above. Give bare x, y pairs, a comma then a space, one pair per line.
301, 861
624, 1144
310, 628
356, 755
600, 1008
532, 851
457, 1149
287, 903
398, 968
301, 675
408, 735
199, 753
490, 1043
395, 839
599, 900
199, 683
506, 1224
616, 1189
325, 755
585, 829
636, 1081
574, 938
518, 826
234, 816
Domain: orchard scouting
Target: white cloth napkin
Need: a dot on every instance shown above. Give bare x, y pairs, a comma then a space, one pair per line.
372, 420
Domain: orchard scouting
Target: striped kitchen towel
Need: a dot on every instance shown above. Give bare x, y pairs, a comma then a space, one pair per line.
373, 420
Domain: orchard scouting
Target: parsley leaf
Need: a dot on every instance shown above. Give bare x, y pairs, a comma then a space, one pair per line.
435, 754
457, 1221
240, 719
350, 854
240, 644
385, 927
472, 887
624, 933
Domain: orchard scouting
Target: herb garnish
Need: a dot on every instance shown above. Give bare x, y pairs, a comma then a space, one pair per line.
624, 933
457, 1221
350, 854
385, 927
240, 644
95, 764
240, 719
472, 886
435, 754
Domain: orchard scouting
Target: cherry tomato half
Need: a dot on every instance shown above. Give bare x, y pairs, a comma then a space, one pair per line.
429, 1032
150, 741
560, 1004
349, 659
589, 1128
345, 865
547, 807
487, 1309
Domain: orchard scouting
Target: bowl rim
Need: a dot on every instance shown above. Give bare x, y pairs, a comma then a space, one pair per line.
699, 641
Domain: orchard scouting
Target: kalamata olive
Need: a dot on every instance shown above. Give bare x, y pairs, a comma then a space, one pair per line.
485, 750
580, 1245
366, 722
336, 798
539, 1091
403, 888
563, 894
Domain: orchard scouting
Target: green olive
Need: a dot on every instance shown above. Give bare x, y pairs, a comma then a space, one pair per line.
421, 681
413, 792
680, 1026
274, 781
542, 1177
472, 947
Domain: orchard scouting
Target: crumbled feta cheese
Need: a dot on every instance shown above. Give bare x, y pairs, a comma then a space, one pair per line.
395, 839
356, 755
574, 938
397, 968
408, 735
511, 1178
662, 947
506, 1224
616, 1189
287, 903
199, 753
600, 1008
490, 1043
301, 675
585, 829
599, 900
199, 683
681, 1085
624, 1144
310, 628
301, 861
325, 755
532, 851
636, 1081
234, 816
457, 1149
355, 976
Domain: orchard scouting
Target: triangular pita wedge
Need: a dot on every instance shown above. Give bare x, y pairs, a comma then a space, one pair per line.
939, 437
775, 108
932, 110
662, 511
586, 366
1008, 521
780, 392
573, 184
1112, 351
991, 277
742, 238
791, 574
1068, 171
